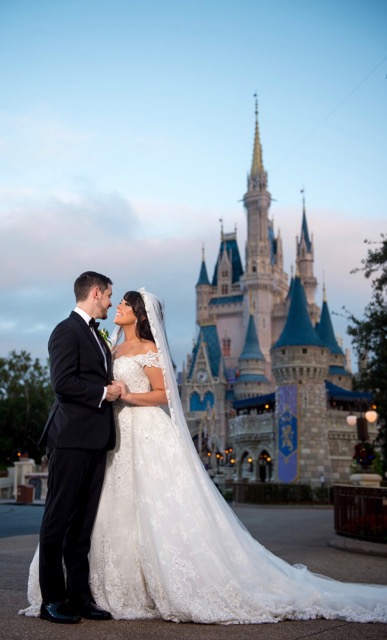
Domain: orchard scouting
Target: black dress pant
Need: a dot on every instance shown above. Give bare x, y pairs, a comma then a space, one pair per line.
74, 486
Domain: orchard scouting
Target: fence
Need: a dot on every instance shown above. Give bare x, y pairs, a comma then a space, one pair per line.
276, 493
361, 512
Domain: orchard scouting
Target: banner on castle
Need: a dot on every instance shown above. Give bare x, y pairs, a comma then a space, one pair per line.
287, 433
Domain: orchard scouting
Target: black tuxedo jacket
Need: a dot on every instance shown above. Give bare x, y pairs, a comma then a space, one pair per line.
78, 378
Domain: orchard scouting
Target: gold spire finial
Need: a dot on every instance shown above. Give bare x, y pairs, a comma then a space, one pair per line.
203, 256
257, 164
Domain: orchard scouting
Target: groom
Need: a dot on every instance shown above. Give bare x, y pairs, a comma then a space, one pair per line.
79, 431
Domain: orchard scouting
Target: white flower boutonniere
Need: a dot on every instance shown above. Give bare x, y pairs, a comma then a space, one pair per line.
104, 333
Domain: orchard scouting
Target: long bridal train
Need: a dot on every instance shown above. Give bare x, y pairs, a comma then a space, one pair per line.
166, 545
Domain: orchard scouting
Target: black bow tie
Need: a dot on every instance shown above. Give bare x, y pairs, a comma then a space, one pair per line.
93, 324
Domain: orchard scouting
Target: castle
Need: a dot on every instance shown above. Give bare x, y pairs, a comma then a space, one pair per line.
267, 387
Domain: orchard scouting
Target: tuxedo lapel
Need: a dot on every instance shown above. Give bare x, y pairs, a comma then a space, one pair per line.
90, 336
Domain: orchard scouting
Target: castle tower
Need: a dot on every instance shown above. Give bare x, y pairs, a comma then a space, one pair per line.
304, 262
337, 359
300, 367
226, 303
257, 282
203, 294
252, 380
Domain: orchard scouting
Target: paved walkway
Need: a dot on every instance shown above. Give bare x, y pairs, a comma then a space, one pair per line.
299, 535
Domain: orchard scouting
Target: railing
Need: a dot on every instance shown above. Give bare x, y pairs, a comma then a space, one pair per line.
277, 493
361, 512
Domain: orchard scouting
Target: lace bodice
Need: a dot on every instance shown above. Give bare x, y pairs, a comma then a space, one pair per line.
130, 369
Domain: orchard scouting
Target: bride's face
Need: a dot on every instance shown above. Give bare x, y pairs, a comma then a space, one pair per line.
124, 314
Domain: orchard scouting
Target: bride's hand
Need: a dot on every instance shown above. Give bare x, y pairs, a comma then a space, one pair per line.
123, 387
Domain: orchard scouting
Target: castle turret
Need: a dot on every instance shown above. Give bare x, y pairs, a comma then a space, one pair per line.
251, 380
337, 372
300, 367
203, 294
305, 261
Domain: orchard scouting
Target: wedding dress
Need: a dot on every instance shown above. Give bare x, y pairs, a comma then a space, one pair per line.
166, 545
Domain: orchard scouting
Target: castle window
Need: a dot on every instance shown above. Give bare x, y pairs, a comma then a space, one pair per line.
305, 351
226, 346
224, 289
254, 269
225, 274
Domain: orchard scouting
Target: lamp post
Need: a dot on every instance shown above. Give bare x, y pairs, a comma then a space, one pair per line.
364, 451
218, 456
361, 423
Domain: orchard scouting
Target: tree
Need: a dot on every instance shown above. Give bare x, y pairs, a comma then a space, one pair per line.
25, 399
369, 336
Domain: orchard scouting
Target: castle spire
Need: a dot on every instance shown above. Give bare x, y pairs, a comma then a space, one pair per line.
203, 275
325, 328
257, 163
251, 348
304, 226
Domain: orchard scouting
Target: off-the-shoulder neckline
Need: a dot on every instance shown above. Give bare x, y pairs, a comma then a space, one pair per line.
155, 353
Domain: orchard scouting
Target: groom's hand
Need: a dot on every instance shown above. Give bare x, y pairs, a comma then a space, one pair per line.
113, 391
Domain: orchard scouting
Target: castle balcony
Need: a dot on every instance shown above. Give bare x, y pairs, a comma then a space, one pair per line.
244, 429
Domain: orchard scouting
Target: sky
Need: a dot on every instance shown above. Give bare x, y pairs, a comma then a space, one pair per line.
126, 134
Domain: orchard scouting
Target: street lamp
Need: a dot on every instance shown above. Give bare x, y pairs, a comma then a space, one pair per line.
364, 451
361, 423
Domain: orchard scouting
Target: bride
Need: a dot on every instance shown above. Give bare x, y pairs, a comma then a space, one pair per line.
165, 544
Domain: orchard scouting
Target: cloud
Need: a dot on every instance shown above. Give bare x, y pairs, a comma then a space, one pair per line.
43, 241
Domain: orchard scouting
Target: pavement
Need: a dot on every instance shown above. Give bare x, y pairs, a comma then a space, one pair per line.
296, 534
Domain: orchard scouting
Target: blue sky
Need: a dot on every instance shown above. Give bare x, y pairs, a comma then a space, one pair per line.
126, 133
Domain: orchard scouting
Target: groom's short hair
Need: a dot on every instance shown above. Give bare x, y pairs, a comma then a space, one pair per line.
87, 281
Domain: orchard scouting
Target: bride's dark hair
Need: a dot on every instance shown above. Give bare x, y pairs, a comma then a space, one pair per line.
136, 301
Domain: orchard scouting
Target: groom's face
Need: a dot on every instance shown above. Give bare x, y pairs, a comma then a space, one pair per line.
104, 303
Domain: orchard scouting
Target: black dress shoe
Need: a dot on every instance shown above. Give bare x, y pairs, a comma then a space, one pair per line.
91, 611
58, 612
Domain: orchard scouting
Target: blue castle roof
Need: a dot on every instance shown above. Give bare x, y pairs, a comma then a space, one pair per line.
290, 290
305, 231
298, 329
209, 335
338, 393
325, 330
251, 349
231, 247
203, 275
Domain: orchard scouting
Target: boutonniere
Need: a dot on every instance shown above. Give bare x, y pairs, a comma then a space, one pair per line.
104, 333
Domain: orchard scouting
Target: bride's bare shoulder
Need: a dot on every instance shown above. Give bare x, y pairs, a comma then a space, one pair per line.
148, 345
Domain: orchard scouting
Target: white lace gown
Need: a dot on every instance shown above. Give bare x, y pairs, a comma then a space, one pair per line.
166, 545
